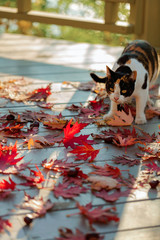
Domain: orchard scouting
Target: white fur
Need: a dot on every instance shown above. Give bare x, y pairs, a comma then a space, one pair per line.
141, 95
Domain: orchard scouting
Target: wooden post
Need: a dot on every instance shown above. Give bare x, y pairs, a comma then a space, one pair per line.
111, 12
147, 19
152, 21
23, 6
137, 17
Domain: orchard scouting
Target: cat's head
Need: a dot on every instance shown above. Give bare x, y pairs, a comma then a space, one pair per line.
118, 85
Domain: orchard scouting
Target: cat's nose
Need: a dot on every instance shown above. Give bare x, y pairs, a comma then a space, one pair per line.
116, 98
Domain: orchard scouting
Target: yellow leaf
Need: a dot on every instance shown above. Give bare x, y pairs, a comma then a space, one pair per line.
30, 143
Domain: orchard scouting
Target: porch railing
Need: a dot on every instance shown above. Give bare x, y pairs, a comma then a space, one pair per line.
144, 18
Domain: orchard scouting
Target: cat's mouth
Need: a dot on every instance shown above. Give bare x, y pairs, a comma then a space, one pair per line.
118, 101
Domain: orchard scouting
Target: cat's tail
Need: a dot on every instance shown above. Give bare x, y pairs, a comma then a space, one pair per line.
97, 78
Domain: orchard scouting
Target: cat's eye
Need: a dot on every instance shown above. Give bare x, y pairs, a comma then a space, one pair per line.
111, 89
124, 91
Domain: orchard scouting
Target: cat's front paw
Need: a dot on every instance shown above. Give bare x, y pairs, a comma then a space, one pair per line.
140, 120
107, 116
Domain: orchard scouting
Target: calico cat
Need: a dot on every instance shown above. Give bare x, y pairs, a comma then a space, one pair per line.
130, 77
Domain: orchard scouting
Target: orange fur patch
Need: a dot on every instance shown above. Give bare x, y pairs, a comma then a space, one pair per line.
129, 61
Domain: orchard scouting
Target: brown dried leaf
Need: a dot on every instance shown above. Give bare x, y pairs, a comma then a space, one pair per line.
102, 182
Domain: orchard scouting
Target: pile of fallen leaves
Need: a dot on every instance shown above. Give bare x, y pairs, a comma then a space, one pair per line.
78, 171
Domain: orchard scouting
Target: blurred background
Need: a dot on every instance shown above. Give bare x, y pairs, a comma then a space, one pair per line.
90, 9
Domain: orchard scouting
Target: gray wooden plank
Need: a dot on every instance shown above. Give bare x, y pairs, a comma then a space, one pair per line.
23, 67
57, 219
134, 234
139, 213
53, 77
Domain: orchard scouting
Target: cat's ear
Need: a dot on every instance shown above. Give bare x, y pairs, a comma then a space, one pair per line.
97, 78
108, 72
133, 75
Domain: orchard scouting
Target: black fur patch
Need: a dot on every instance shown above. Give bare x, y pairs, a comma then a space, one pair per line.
97, 78
144, 86
133, 54
124, 69
111, 81
129, 86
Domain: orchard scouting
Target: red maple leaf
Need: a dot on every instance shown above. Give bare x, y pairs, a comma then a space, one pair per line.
4, 185
8, 157
96, 106
106, 170
113, 196
69, 132
67, 234
45, 105
35, 178
84, 152
129, 182
126, 160
11, 130
94, 109
126, 108
65, 191
152, 167
4, 224
14, 130
74, 108
146, 137
125, 137
58, 165
74, 175
152, 112
121, 137
104, 137
79, 141
96, 215
15, 169
40, 94
152, 154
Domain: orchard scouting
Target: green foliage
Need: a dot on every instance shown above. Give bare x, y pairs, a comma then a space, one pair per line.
85, 9
8, 3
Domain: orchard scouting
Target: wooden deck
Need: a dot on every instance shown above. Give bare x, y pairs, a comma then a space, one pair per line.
43, 61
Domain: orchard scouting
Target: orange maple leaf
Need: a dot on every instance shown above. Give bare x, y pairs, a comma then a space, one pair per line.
55, 123
35, 178
121, 119
84, 152
124, 142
